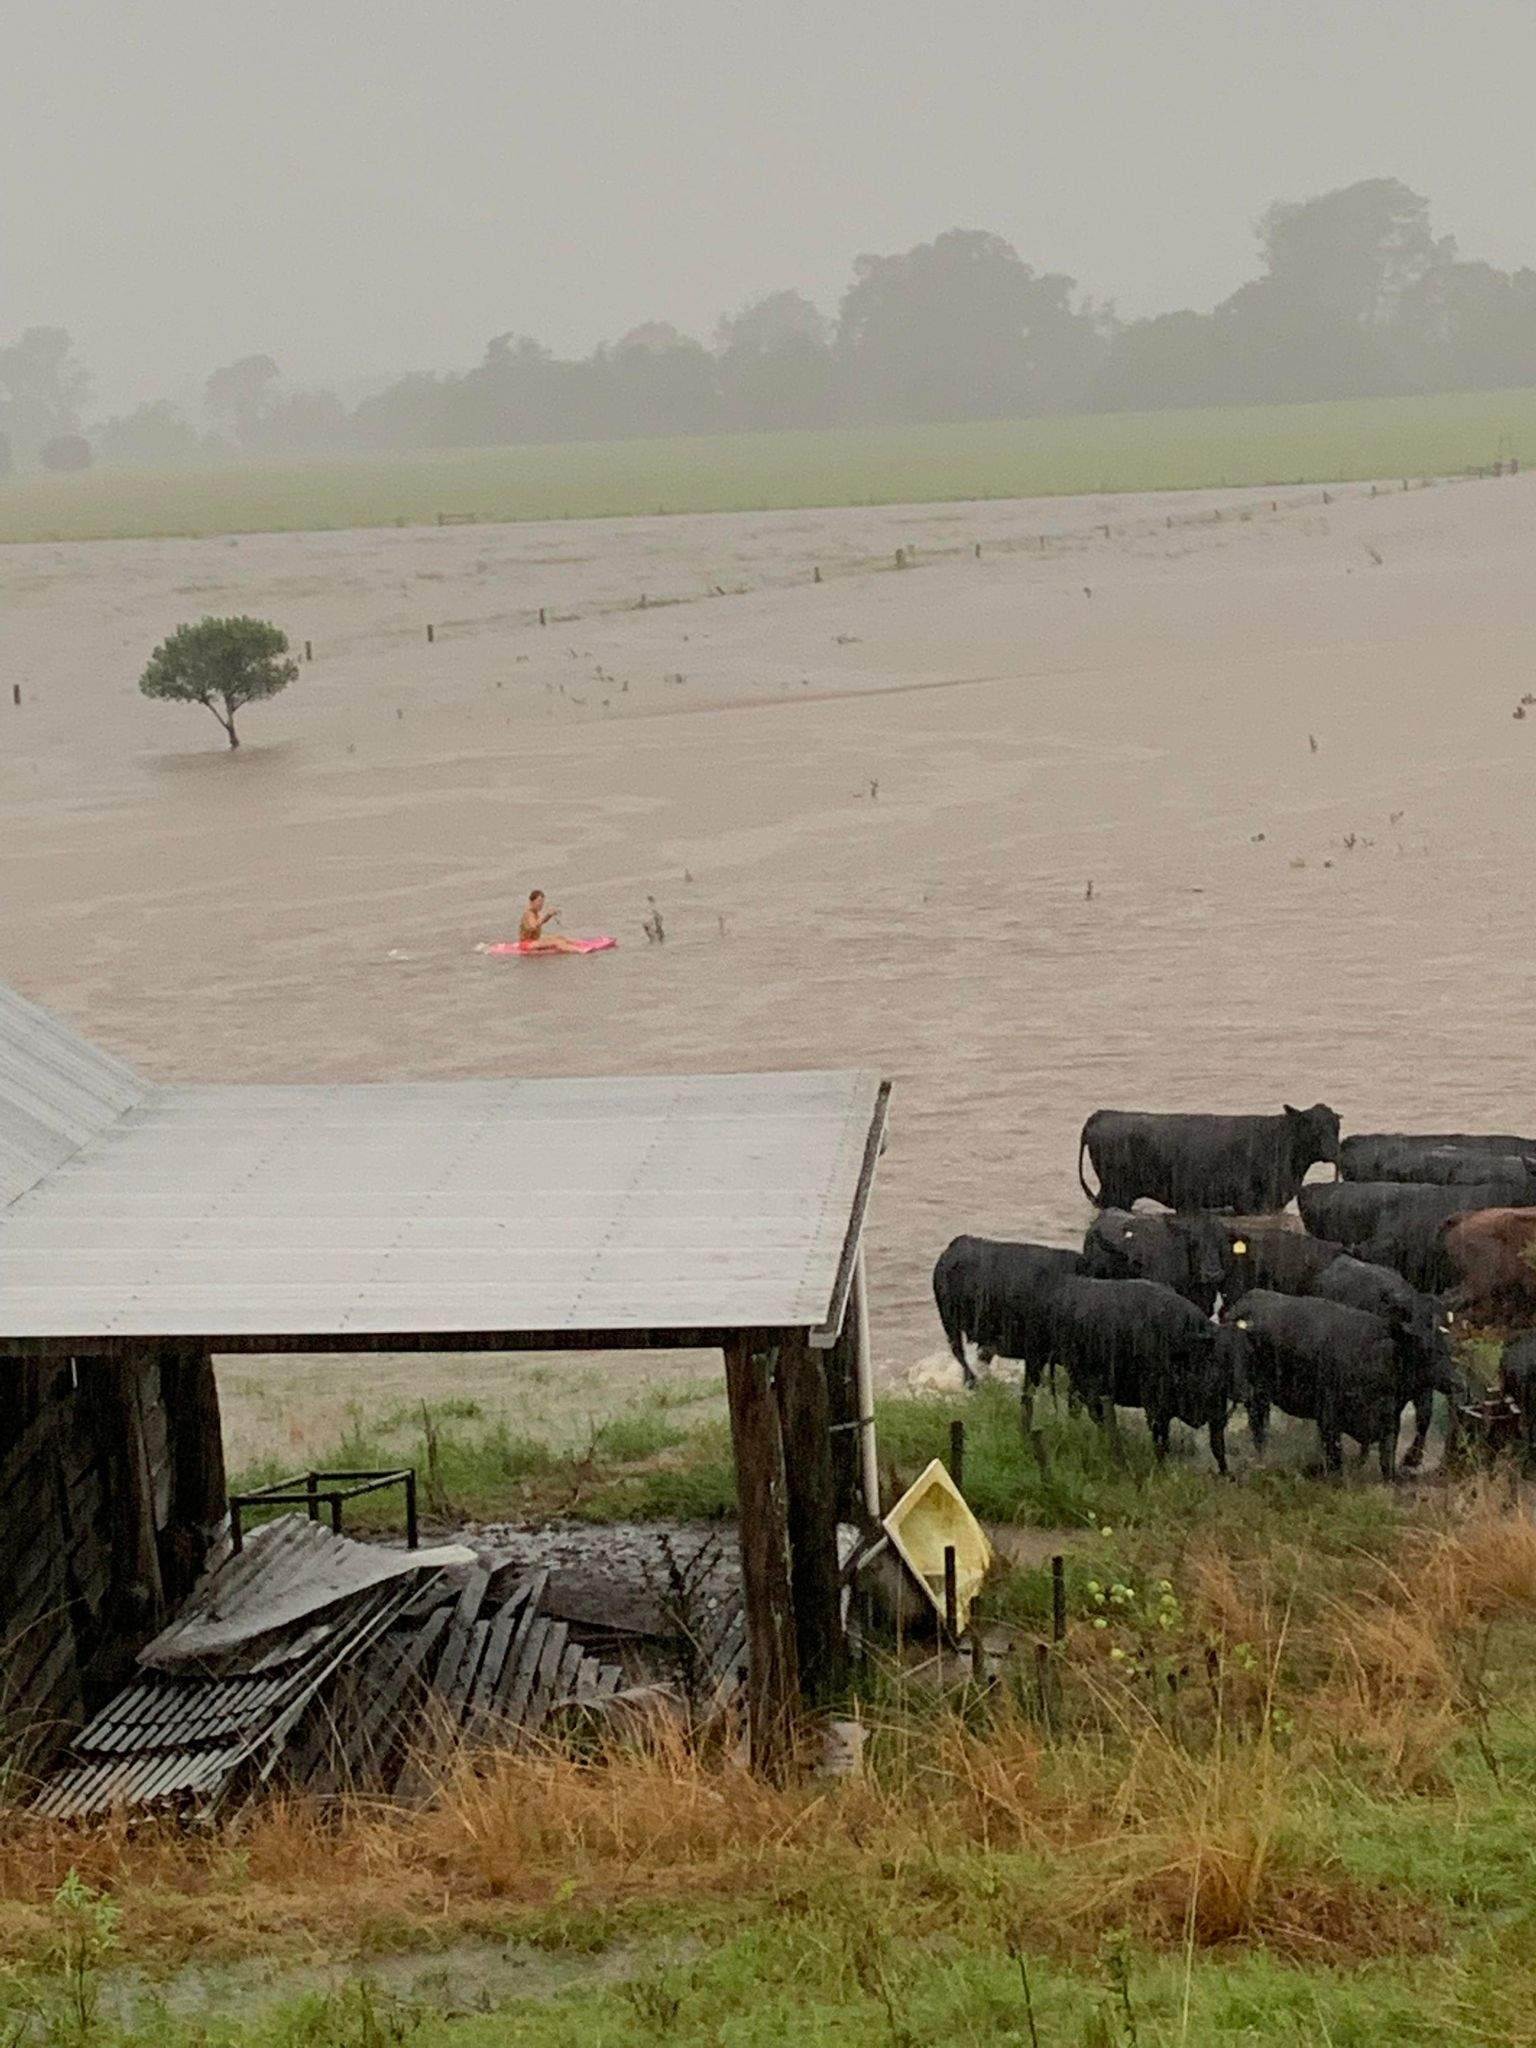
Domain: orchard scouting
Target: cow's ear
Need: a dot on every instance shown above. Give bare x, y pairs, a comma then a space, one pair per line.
1291, 1110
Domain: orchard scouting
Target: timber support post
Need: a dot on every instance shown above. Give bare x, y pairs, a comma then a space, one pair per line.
136, 1600
842, 1367
800, 1383
773, 1677
199, 1489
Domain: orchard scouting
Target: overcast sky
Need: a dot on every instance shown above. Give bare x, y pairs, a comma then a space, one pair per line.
366, 186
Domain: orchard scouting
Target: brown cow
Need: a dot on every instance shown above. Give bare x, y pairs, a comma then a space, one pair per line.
1494, 1254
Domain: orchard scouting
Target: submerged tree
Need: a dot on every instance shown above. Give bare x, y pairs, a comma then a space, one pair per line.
220, 663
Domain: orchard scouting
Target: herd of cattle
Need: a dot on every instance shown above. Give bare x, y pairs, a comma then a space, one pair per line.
1186, 1315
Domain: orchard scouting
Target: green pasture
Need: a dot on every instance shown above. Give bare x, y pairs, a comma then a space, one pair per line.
1227, 446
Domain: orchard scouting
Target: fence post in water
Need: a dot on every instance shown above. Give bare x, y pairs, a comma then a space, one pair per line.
429, 636
1058, 1598
978, 550
15, 693
816, 573
951, 1595
957, 1453
542, 620
309, 652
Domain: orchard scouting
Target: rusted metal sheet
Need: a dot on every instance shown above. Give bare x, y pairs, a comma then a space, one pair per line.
692, 1203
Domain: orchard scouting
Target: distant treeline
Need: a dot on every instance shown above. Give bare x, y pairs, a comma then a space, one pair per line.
1355, 298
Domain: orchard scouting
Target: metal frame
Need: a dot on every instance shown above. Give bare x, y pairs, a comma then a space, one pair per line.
306, 1490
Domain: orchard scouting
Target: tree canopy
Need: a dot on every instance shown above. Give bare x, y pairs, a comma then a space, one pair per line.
1353, 295
222, 664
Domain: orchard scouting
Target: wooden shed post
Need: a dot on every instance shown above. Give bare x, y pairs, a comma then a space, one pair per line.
773, 1683
199, 1489
138, 1594
842, 1362
800, 1381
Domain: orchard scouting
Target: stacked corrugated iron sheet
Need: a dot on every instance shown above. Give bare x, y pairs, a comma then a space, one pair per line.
330, 1666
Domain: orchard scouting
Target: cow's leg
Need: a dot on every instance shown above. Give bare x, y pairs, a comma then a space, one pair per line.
1386, 1446
1161, 1427
1028, 1388
1218, 1435
1258, 1421
1423, 1414
1333, 1449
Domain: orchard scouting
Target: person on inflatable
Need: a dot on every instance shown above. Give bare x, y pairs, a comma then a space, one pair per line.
531, 935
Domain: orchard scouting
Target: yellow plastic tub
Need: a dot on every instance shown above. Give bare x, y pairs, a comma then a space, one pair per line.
930, 1517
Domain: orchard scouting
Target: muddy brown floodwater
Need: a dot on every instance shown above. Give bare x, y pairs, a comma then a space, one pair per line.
1280, 748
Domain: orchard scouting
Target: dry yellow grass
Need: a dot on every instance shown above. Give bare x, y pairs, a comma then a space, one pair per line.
1184, 1827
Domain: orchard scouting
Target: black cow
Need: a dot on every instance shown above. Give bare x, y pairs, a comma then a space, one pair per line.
997, 1295
1251, 1164
1395, 1155
1401, 1223
1325, 1363
1287, 1261
1419, 1321
1183, 1252
1137, 1344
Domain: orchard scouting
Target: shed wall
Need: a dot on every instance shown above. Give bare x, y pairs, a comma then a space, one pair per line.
111, 1495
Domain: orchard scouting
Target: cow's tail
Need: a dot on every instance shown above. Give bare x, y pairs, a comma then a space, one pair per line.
1082, 1151
952, 1316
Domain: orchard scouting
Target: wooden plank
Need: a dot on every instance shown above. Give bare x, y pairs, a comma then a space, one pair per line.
464, 1618
773, 1688
503, 1628
457, 1694
514, 1703
408, 1686
543, 1687
530, 1624
567, 1677
811, 1491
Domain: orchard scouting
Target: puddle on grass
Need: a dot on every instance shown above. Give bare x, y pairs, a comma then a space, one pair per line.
466, 1977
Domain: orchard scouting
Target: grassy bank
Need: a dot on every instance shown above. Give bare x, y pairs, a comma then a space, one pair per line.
1217, 446
1278, 1791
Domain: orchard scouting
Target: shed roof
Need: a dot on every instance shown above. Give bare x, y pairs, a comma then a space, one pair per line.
677, 1204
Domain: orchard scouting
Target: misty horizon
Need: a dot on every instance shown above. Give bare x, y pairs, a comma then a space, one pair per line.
364, 194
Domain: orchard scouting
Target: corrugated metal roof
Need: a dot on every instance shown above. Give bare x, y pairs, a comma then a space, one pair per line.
56, 1093
178, 1736
711, 1202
